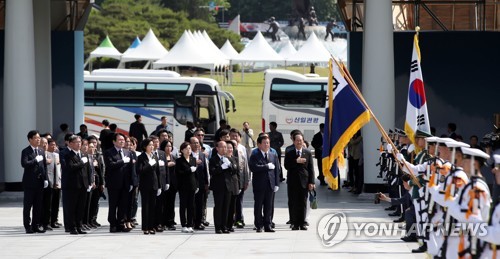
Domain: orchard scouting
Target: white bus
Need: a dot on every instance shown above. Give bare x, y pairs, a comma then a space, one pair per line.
294, 101
118, 94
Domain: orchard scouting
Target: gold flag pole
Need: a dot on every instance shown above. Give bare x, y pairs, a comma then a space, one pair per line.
395, 151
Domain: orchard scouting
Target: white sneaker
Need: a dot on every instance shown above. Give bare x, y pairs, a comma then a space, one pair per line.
190, 230
185, 230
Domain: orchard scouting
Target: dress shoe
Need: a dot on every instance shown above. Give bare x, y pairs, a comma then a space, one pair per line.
85, 227
152, 232
225, 231
239, 224
273, 225
409, 239
66, 230
218, 231
74, 232
421, 249
399, 220
200, 227
47, 228
29, 231
126, 229
206, 224
258, 230
295, 227
113, 230
395, 214
146, 232
390, 208
323, 183
269, 230
306, 223
230, 229
303, 227
38, 230
91, 225
288, 222
97, 224
54, 225
172, 228
159, 228
80, 231
174, 223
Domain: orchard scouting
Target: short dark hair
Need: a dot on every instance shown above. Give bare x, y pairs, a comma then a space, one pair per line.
153, 137
222, 121
50, 141
273, 123
164, 143
137, 116
133, 140
115, 136
113, 126
91, 137
452, 126
73, 137
184, 145
158, 134
230, 142
262, 137
297, 134
223, 132
105, 123
32, 133
67, 136
321, 125
83, 125
163, 117
145, 143
293, 132
474, 136
233, 130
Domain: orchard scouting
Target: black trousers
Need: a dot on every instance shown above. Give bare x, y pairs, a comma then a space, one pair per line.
134, 200
297, 197
186, 207
321, 177
238, 216
118, 201
169, 207
94, 205
32, 199
221, 208
231, 211
200, 205
65, 208
56, 199
47, 206
76, 205
353, 170
262, 201
148, 203
86, 210
130, 205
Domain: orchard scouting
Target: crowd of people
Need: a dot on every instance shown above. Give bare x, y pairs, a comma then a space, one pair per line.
80, 169
455, 184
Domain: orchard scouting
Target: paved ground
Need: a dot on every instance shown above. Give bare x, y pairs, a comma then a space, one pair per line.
244, 243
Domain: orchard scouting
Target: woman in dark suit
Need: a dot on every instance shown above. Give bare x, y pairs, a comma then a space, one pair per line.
235, 182
166, 146
187, 184
149, 186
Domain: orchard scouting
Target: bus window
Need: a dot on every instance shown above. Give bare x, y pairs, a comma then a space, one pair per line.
183, 114
172, 91
119, 90
206, 113
305, 95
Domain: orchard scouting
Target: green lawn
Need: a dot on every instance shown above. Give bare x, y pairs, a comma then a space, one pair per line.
248, 95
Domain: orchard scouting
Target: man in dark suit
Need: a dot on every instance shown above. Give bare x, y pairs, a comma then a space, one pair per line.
118, 181
221, 183
265, 168
298, 163
202, 176
317, 143
77, 184
34, 181
137, 129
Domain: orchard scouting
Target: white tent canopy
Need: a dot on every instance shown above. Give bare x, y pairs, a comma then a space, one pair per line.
106, 49
228, 50
133, 46
149, 49
186, 52
313, 51
220, 57
258, 50
288, 50
234, 26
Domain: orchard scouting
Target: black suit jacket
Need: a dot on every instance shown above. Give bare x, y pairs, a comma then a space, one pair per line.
262, 176
222, 179
35, 173
148, 175
138, 131
186, 180
202, 171
317, 143
118, 174
77, 173
164, 174
299, 172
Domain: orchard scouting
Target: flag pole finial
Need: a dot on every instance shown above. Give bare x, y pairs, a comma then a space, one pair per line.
417, 29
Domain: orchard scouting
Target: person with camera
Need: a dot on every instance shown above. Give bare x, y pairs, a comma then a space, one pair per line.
247, 137
409, 214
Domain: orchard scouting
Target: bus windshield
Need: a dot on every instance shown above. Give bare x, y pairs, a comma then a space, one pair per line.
296, 94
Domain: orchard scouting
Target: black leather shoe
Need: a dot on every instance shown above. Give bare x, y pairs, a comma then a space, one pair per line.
38, 230
54, 225
288, 222
29, 231
218, 231
399, 220
200, 227
295, 227
409, 239
80, 231
172, 228
303, 227
258, 230
273, 225
395, 214
74, 232
390, 208
47, 228
113, 230
97, 224
230, 229
269, 230
306, 223
421, 249
206, 224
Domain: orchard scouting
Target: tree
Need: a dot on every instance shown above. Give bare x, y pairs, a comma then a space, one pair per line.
196, 9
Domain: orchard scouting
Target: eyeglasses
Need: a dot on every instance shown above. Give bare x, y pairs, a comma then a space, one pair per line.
201, 135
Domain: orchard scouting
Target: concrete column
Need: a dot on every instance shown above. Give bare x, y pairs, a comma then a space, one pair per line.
43, 65
19, 109
378, 79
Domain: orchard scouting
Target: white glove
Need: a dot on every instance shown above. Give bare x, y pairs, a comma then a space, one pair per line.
389, 148
225, 160
193, 169
167, 186
271, 166
197, 189
161, 163
130, 189
152, 162
276, 188
45, 184
400, 158
85, 160
239, 191
95, 163
89, 189
225, 166
126, 159
39, 158
158, 192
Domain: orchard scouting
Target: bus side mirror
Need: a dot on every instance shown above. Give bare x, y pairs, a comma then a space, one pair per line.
234, 105
227, 106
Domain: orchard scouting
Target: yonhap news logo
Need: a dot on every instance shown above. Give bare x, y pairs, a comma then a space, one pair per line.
332, 229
